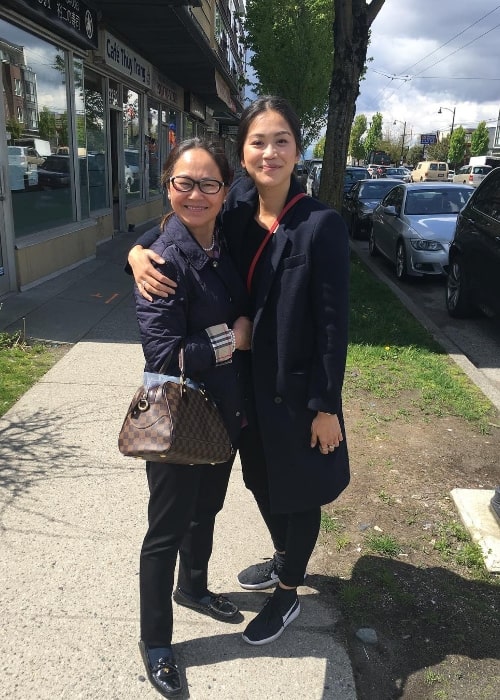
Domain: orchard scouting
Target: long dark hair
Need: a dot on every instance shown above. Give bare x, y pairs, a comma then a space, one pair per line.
264, 104
212, 149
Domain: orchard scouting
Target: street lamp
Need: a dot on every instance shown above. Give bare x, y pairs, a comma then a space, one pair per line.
402, 141
440, 111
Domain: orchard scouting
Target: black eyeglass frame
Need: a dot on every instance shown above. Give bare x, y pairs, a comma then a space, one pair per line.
194, 182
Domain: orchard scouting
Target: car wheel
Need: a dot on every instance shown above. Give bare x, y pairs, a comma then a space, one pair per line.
459, 302
372, 246
401, 271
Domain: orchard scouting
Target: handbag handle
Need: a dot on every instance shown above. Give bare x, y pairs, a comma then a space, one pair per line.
182, 382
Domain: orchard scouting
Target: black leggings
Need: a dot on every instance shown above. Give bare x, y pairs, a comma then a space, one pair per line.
292, 533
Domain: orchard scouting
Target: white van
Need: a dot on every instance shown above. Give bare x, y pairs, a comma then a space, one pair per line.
430, 171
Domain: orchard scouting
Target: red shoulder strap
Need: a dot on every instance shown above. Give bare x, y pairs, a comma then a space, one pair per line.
268, 235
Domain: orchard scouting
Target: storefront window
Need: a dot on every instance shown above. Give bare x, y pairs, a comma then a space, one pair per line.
97, 167
132, 145
81, 137
40, 172
189, 128
172, 121
153, 149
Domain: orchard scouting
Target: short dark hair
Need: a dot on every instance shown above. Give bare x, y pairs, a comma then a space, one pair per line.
213, 149
263, 104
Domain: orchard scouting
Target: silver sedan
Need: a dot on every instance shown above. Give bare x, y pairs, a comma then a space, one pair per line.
414, 224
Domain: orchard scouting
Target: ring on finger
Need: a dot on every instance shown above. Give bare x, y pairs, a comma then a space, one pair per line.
331, 447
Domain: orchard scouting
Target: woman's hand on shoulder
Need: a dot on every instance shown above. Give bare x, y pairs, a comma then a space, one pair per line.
150, 281
242, 329
326, 432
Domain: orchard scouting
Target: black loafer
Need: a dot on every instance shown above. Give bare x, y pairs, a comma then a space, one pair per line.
163, 674
217, 606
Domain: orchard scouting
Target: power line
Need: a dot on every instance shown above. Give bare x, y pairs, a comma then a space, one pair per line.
407, 78
452, 38
459, 49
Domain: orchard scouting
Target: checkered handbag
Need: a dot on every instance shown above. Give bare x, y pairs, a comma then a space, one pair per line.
175, 422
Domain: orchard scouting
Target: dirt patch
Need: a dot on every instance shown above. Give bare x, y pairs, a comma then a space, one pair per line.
396, 559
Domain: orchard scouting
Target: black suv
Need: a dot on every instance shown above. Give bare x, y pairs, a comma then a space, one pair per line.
474, 258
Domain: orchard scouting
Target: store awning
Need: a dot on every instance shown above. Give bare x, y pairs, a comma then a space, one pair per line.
166, 34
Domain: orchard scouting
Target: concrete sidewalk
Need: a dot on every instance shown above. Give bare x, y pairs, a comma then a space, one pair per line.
73, 514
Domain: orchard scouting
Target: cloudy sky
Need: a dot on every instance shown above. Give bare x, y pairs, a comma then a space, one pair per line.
429, 54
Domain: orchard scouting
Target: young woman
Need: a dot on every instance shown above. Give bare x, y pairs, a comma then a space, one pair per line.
293, 450
206, 317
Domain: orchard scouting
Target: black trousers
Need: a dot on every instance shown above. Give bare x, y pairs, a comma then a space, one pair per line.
183, 504
293, 533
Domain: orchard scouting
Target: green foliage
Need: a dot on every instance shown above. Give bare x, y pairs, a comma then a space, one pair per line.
454, 544
480, 140
292, 46
390, 353
415, 155
47, 125
356, 147
15, 128
21, 364
383, 544
374, 135
456, 154
319, 148
439, 150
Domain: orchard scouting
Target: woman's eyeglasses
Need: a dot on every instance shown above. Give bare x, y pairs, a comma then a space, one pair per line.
186, 184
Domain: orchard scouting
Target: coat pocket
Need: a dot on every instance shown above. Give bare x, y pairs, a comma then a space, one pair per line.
294, 261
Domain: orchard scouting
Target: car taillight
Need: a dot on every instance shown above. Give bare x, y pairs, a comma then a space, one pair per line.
471, 178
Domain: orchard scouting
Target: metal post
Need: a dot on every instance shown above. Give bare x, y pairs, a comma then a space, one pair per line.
403, 144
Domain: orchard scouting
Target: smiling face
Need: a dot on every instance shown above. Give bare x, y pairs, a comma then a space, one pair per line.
197, 210
270, 151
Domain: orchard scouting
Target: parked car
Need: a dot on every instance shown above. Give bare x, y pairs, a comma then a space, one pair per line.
398, 174
353, 174
316, 179
132, 162
474, 259
414, 224
472, 174
430, 170
451, 173
301, 173
54, 172
312, 177
359, 203
18, 155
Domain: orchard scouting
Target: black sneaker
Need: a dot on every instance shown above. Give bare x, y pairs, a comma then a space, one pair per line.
278, 612
260, 576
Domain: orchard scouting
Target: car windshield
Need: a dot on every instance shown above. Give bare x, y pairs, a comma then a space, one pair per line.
355, 175
436, 201
375, 189
56, 164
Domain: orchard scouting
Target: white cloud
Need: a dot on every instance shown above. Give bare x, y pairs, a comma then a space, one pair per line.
429, 54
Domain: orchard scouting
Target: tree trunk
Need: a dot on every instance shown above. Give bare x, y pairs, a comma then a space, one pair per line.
351, 27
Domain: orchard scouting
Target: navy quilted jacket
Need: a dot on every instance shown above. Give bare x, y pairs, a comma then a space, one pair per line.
209, 292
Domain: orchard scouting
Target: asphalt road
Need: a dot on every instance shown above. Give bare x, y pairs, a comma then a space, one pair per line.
478, 339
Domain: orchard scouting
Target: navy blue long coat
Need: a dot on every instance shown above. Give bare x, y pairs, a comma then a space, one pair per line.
299, 343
